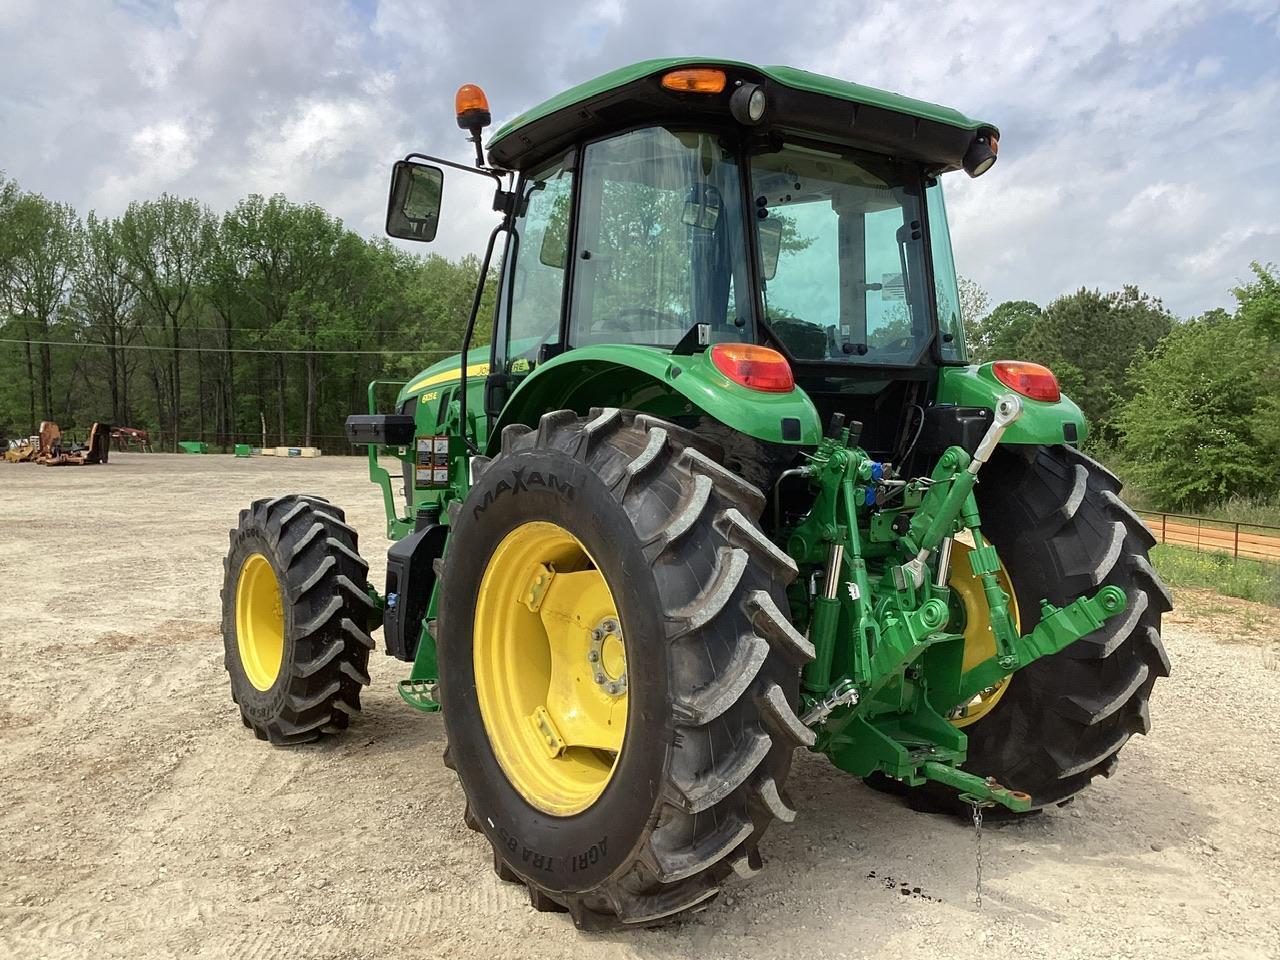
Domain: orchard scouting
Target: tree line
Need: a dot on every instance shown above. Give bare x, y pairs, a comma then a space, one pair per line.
1189, 409
271, 317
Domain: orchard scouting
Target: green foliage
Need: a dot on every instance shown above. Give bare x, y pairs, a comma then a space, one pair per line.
268, 319
105, 305
1262, 508
1201, 424
974, 305
1091, 339
1219, 572
1188, 413
1260, 302
40, 251
1002, 333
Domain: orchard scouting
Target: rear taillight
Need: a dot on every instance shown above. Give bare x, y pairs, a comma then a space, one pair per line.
753, 366
1029, 379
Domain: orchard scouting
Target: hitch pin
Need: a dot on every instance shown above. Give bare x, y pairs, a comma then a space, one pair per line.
844, 694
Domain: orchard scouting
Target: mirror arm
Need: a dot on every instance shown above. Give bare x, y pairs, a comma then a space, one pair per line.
466, 337
494, 173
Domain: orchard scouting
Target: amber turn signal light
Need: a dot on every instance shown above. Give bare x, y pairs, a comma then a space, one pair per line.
695, 80
1029, 379
756, 367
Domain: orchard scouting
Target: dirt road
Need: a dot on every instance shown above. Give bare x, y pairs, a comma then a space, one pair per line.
140, 819
1220, 536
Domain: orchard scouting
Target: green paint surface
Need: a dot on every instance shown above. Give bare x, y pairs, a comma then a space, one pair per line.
1041, 422
801, 80
654, 381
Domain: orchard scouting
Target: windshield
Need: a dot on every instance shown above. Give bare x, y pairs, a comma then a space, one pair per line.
659, 245
842, 254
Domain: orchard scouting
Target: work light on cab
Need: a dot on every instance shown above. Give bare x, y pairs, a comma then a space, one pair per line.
981, 155
756, 367
1029, 379
748, 104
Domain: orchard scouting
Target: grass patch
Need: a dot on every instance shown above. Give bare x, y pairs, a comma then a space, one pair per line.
1261, 510
1246, 579
1238, 509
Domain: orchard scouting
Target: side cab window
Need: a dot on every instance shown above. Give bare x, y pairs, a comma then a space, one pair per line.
533, 287
946, 283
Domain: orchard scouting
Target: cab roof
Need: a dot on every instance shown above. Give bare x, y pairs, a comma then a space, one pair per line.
800, 102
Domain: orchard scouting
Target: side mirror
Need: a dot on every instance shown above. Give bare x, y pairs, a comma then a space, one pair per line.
554, 249
413, 207
769, 232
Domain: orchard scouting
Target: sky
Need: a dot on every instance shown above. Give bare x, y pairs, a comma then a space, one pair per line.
1140, 141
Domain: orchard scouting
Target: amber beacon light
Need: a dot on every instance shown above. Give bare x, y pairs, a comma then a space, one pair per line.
472, 107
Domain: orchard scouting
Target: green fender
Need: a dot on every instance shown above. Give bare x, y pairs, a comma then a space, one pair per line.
1041, 421
654, 381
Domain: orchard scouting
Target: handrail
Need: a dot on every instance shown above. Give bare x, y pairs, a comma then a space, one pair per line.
378, 473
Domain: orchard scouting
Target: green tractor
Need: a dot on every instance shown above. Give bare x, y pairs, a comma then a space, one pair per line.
721, 484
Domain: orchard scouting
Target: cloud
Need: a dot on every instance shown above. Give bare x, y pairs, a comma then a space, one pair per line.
1138, 140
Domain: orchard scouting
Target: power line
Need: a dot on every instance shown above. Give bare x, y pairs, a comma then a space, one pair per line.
160, 328
145, 346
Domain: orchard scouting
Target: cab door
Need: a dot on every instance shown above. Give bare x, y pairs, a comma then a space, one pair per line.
531, 297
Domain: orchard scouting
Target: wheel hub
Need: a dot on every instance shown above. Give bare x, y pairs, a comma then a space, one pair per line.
550, 668
608, 658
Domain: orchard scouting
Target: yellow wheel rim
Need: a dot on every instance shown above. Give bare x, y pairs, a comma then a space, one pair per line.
259, 622
979, 641
550, 668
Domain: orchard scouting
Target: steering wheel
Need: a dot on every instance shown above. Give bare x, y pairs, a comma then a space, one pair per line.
805, 339
899, 345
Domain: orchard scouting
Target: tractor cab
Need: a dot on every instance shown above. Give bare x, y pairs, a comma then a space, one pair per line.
681, 205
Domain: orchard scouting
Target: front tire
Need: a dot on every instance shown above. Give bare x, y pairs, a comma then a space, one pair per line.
295, 619
712, 667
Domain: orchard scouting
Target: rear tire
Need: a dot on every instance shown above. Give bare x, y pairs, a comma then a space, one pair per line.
322, 608
712, 667
1062, 531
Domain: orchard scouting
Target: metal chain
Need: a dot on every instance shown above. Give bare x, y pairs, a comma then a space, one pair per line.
977, 835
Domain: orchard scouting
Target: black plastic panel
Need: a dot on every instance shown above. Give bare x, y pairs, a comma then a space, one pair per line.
390, 429
410, 580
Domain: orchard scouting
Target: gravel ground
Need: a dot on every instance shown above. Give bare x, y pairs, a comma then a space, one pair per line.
140, 819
